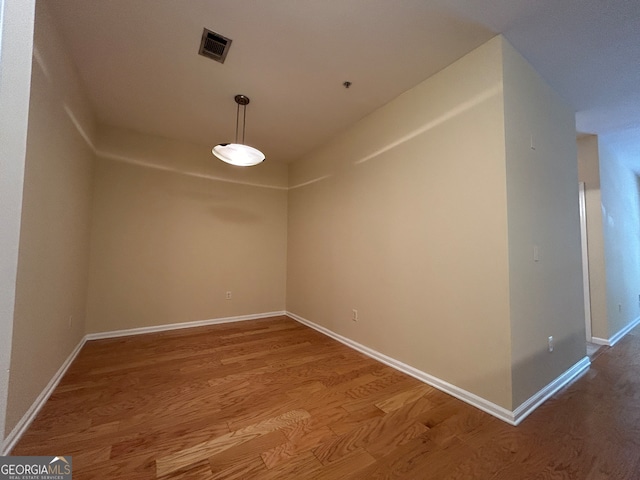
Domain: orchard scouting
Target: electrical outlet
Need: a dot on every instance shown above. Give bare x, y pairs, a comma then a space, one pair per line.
551, 343
354, 315
620, 307
70, 320
228, 296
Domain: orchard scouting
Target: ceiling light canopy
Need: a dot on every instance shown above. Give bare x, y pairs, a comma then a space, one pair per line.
238, 153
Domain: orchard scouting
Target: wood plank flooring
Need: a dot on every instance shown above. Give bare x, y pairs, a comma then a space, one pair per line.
272, 399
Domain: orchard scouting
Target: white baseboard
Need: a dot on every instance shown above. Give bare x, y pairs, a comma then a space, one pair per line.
512, 417
177, 326
537, 399
610, 342
30, 415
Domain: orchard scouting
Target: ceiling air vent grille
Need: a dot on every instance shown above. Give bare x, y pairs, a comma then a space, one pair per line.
214, 46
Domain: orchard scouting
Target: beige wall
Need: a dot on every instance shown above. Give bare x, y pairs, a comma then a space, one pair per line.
53, 254
16, 40
424, 217
404, 218
543, 209
174, 229
620, 183
589, 173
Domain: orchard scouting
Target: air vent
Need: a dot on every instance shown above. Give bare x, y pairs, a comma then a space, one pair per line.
214, 46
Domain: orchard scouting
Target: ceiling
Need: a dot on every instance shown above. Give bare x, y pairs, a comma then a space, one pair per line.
140, 65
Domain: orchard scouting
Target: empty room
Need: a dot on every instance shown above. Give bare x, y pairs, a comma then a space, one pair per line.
325, 240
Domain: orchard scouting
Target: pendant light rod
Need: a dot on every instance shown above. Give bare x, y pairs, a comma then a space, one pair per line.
244, 121
238, 153
241, 100
237, 122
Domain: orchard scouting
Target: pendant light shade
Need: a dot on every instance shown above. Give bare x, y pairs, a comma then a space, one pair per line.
238, 153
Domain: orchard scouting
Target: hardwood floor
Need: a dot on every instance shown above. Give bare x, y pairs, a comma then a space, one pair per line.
272, 399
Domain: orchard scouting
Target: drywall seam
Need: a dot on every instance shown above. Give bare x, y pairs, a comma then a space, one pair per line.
511, 417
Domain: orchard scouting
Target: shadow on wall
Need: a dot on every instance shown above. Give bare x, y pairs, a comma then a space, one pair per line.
217, 204
201, 190
234, 215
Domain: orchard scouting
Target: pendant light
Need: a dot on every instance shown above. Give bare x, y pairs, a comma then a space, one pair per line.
236, 153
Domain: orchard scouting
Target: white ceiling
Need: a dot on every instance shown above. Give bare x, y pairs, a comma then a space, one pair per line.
139, 61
